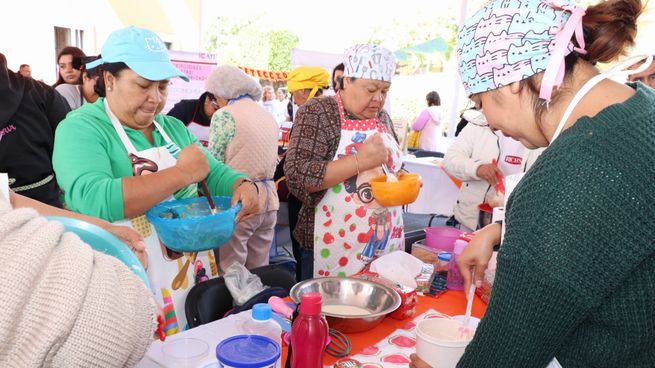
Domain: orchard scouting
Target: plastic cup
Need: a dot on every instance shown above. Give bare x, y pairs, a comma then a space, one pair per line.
185, 352
437, 342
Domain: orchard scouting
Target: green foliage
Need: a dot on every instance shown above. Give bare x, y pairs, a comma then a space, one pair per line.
280, 44
240, 40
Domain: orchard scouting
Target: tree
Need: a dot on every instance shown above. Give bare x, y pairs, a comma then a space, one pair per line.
241, 41
238, 41
279, 54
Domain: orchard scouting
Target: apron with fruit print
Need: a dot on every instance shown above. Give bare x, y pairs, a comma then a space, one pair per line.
163, 263
350, 226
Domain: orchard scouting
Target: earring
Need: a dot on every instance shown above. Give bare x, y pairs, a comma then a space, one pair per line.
108, 88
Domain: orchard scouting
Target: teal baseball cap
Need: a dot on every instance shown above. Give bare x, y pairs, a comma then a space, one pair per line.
142, 51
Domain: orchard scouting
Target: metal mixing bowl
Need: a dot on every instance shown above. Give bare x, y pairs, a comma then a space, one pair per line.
377, 299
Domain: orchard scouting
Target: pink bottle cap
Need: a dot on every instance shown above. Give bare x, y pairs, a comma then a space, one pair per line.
311, 303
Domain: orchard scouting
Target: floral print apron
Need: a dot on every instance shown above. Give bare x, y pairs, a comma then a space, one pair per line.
351, 227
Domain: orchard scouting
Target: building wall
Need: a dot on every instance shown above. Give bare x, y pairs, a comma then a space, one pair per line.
28, 37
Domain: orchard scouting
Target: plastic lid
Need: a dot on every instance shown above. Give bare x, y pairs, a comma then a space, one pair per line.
248, 351
311, 303
444, 256
460, 244
261, 312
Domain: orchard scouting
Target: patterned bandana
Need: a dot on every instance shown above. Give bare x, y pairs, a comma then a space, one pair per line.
510, 40
369, 62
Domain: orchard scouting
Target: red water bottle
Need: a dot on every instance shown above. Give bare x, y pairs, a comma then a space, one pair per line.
309, 333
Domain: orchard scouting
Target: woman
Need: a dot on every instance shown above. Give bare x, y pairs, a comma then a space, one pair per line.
560, 290
337, 76
334, 140
430, 124
117, 158
196, 115
304, 83
268, 99
75, 307
244, 136
92, 83
281, 113
69, 83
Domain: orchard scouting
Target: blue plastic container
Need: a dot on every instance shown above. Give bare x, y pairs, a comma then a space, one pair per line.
187, 225
103, 241
247, 351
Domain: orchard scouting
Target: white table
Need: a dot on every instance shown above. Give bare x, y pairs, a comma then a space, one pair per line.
439, 193
211, 333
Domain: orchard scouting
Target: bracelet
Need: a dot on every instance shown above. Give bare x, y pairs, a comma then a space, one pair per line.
356, 163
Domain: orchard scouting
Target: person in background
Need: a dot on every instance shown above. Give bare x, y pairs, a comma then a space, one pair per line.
306, 82
92, 83
281, 103
69, 83
25, 70
57, 286
303, 81
430, 123
196, 114
646, 77
337, 144
29, 114
559, 290
337, 76
268, 99
470, 159
243, 135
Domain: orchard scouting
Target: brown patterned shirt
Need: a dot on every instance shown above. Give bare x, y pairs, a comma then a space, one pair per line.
313, 144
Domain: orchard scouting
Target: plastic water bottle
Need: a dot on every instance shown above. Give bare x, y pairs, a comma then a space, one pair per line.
455, 280
261, 323
309, 333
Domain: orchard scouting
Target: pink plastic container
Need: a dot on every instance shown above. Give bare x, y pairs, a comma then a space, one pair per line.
442, 237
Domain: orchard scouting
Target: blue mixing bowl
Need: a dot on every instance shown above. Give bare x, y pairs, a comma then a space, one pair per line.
187, 225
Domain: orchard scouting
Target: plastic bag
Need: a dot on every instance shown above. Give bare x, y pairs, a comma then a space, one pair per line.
242, 284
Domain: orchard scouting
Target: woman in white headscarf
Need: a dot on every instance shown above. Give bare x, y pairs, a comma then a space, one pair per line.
337, 144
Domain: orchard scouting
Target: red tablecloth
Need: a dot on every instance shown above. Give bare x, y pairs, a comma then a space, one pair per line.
450, 302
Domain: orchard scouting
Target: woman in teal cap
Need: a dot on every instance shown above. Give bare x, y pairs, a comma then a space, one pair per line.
575, 277
118, 157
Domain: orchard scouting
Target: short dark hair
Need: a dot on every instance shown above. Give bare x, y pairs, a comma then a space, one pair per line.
339, 80
23, 65
433, 98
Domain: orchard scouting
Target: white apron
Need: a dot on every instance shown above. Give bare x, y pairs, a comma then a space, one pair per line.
161, 268
350, 226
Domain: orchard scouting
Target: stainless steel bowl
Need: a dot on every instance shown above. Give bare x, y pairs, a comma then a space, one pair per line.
377, 299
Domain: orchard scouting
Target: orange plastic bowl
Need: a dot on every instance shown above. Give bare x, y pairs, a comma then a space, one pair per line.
389, 193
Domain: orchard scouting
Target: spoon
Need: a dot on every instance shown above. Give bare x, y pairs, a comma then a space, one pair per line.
465, 330
212, 206
390, 176
179, 279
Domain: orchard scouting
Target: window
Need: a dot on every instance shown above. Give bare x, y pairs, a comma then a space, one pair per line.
68, 37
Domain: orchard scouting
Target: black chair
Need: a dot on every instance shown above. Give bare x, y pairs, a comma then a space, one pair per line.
210, 300
422, 153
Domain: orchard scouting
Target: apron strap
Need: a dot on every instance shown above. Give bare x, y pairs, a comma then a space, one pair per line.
618, 69
120, 130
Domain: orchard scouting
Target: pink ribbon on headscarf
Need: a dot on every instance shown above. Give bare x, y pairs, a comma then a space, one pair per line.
554, 74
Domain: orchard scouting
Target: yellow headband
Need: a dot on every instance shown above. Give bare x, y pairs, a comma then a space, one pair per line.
308, 77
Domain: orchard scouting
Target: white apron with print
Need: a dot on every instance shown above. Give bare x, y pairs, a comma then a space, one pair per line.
350, 226
161, 268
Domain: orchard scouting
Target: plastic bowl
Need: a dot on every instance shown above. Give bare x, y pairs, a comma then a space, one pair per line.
187, 225
442, 237
103, 241
396, 193
376, 299
185, 352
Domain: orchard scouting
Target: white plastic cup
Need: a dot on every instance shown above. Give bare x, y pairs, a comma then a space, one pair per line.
437, 343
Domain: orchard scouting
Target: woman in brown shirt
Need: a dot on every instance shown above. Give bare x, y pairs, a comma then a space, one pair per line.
337, 144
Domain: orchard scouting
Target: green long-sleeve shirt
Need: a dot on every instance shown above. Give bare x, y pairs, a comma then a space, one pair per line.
576, 271
90, 161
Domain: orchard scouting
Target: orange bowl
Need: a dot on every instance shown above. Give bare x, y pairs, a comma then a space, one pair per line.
389, 193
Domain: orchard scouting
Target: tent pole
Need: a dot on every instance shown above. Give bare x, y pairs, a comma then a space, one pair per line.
454, 110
